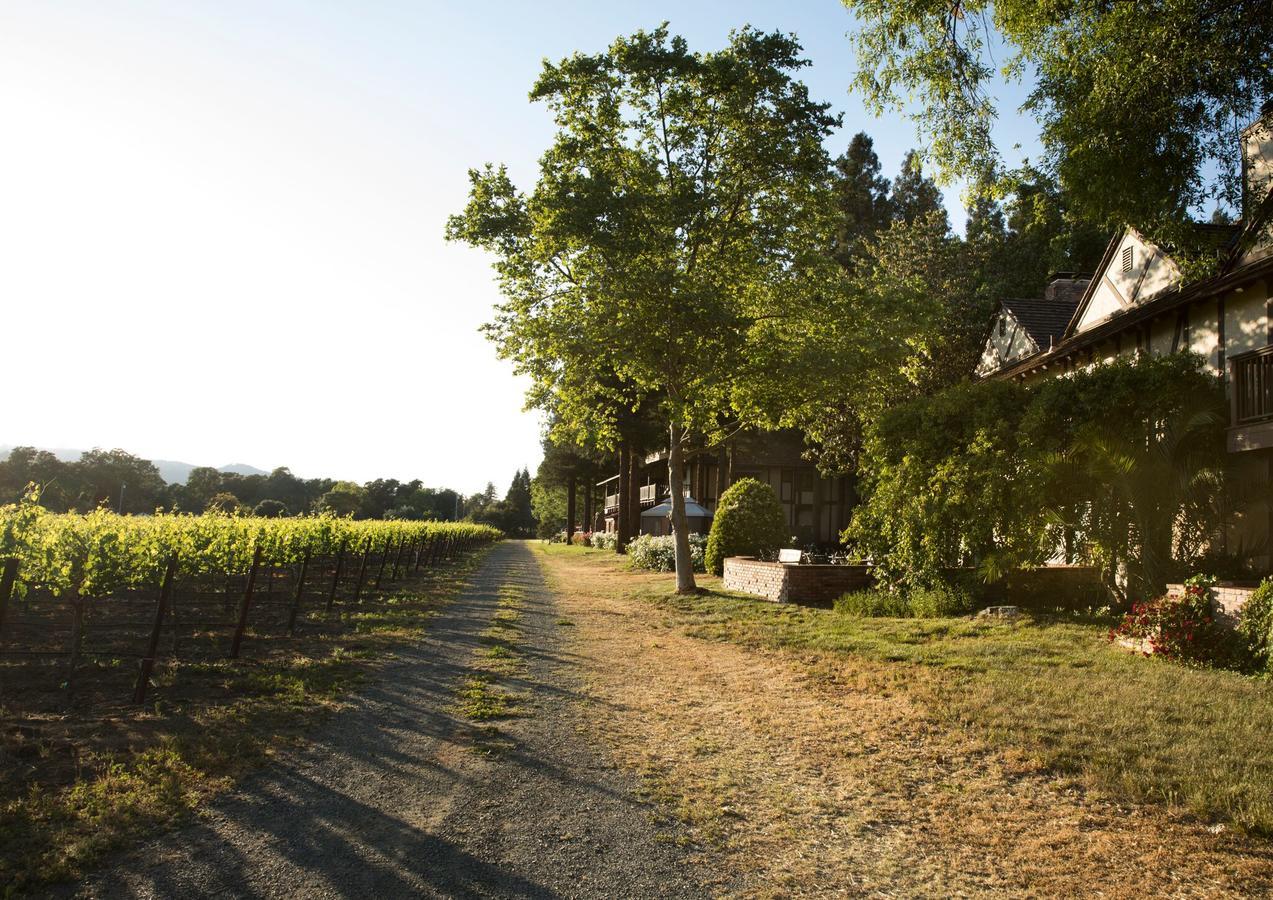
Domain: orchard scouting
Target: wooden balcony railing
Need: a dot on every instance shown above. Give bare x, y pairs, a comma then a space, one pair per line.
1252, 386
649, 493
612, 502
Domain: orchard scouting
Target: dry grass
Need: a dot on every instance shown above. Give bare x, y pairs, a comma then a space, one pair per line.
817, 769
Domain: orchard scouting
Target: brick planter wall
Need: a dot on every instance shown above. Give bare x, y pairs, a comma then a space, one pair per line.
1227, 600
793, 582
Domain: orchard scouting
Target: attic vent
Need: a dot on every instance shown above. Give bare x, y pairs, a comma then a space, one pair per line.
1127, 259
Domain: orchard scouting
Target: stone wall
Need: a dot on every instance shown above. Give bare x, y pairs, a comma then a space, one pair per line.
817, 585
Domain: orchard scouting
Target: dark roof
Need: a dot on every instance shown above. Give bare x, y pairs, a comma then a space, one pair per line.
1043, 320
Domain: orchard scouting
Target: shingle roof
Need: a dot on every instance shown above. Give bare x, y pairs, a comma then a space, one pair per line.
1043, 320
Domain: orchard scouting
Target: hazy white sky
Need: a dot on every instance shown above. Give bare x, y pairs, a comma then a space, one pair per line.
221, 222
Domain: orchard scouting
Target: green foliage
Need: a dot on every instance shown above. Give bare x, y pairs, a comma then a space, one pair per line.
946, 485
941, 600
1118, 88
907, 321
98, 554
269, 509
1131, 459
658, 552
1256, 624
1123, 462
682, 202
748, 522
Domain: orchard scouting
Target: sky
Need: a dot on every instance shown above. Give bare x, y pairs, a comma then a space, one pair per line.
221, 222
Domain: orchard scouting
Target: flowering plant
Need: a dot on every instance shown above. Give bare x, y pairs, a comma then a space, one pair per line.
1180, 628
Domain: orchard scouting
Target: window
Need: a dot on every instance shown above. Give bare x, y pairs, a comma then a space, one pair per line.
1127, 259
1003, 325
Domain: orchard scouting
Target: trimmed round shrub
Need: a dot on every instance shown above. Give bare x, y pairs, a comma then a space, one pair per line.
748, 522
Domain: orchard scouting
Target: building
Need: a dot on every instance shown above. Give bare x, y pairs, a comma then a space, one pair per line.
1139, 301
817, 508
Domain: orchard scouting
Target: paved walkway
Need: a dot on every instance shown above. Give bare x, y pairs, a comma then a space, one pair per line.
394, 797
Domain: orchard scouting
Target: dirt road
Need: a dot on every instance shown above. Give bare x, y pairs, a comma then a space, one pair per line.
402, 795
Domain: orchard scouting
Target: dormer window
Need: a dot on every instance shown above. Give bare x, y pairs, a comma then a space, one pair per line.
1127, 259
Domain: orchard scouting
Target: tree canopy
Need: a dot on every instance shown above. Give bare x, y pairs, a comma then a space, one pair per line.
670, 217
1136, 102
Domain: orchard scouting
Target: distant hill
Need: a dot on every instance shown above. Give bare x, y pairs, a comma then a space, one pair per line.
170, 470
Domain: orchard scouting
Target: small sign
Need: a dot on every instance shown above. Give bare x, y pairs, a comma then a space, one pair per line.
789, 555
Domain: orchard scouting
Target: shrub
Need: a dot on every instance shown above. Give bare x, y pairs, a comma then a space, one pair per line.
874, 604
1255, 627
941, 600
1179, 628
658, 553
748, 522
580, 539
605, 540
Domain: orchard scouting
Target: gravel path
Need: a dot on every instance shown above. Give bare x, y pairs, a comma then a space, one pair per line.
394, 798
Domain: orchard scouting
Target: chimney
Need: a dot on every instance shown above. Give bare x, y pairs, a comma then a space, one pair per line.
1257, 160
1065, 287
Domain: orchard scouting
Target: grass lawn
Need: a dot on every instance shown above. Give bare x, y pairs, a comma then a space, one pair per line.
1141, 729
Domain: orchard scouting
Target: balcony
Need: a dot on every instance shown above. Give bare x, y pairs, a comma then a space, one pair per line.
1251, 400
611, 502
650, 493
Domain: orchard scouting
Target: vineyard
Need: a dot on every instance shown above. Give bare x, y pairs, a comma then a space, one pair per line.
107, 598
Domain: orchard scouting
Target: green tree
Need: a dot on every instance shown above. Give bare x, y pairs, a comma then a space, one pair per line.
862, 199
915, 196
670, 217
107, 474
1136, 102
520, 519
344, 499
908, 321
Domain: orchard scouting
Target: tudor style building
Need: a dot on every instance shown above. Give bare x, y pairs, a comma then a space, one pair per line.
817, 508
1138, 301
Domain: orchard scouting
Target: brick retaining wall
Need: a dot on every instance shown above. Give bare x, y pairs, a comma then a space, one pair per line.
794, 583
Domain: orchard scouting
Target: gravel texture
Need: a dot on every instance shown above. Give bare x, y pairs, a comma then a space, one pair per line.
400, 796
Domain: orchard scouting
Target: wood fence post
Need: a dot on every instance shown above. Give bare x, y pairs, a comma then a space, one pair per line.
244, 606
402, 543
77, 639
435, 542
8, 580
296, 598
340, 559
152, 649
362, 569
380, 572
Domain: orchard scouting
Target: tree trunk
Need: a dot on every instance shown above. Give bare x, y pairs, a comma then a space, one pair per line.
680, 524
633, 488
622, 521
570, 509
587, 505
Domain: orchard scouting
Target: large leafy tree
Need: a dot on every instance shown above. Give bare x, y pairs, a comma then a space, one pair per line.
669, 219
1136, 101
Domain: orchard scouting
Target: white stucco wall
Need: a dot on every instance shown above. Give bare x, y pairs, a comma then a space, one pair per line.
1012, 345
1115, 290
